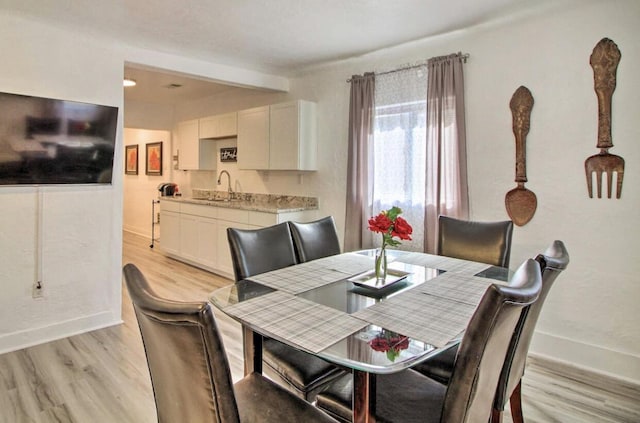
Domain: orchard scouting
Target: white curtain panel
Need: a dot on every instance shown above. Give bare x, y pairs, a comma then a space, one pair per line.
400, 147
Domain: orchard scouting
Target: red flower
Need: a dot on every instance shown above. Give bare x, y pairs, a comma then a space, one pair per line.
390, 225
380, 344
402, 229
390, 343
380, 223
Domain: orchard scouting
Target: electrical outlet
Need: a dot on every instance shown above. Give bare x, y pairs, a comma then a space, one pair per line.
37, 290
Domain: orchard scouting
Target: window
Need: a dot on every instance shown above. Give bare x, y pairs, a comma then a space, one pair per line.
400, 147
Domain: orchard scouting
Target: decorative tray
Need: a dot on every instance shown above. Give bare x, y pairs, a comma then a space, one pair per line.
368, 279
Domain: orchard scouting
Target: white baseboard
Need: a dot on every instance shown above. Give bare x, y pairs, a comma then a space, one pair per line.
597, 380
28, 338
587, 357
137, 231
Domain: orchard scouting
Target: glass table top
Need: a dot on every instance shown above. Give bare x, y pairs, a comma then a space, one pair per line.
373, 348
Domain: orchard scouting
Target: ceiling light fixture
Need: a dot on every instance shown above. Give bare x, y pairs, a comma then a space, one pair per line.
128, 82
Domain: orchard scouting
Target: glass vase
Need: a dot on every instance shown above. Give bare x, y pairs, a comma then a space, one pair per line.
381, 264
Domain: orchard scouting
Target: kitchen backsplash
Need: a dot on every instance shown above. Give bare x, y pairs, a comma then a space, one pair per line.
279, 201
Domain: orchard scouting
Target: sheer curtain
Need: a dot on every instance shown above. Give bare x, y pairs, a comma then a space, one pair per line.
400, 147
407, 148
446, 187
359, 168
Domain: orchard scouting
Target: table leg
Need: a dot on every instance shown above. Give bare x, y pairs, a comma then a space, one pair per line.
364, 397
252, 351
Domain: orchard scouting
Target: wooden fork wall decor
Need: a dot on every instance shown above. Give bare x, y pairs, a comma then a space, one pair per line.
604, 61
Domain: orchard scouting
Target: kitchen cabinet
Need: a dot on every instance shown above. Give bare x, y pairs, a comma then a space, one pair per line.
219, 126
278, 137
253, 138
194, 153
190, 233
170, 228
292, 136
197, 234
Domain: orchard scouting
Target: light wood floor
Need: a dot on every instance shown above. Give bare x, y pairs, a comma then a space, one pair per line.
102, 376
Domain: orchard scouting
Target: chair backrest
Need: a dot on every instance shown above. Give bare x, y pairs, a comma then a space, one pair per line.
186, 358
261, 250
314, 240
486, 242
552, 262
483, 349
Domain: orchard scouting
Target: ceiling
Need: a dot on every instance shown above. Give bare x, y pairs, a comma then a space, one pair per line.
278, 37
167, 88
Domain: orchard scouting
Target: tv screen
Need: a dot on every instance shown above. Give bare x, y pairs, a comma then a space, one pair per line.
49, 141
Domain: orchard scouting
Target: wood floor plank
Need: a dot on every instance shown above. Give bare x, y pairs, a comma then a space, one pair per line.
102, 376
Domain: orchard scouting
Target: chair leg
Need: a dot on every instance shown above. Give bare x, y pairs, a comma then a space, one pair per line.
516, 404
496, 416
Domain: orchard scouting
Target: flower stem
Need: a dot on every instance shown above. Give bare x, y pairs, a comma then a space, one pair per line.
381, 263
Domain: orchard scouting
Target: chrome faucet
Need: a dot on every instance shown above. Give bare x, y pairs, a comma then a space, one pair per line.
228, 181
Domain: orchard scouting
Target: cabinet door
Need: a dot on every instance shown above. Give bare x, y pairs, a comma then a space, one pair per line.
253, 138
208, 127
283, 136
227, 125
219, 126
208, 242
170, 232
189, 236
292, 136
189, 142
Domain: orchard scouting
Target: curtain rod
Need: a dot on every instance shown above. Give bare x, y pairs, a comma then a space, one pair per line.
464, 57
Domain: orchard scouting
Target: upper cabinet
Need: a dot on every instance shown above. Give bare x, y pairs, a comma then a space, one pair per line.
278, 137
197, 140
219, 126
194, 153
253, 138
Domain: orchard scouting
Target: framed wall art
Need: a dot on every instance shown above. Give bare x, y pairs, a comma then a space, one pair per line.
229, 154
154, 159
131, 160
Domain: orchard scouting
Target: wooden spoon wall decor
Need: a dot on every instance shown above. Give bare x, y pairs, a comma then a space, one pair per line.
520, 202
604, 61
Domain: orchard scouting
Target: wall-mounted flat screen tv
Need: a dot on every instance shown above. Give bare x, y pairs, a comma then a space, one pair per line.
49, 141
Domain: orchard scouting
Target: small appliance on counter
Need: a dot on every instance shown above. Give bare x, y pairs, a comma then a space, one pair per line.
167, 189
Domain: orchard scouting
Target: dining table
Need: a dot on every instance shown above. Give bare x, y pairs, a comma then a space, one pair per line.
336, 309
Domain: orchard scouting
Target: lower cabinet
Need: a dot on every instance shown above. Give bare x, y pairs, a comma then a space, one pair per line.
170, 231
197, 234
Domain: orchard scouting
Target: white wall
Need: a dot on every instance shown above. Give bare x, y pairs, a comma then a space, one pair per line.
140, 190
81, 230
590, 318
82, 225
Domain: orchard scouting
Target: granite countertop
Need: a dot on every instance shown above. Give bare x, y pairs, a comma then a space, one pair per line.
254, 202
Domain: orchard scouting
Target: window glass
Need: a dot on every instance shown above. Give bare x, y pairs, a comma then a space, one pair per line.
400, 147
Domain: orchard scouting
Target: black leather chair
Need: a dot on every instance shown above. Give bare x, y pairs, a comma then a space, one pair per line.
408, 396
486, 242
314, 240
255, 251
552, 262
189, 369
